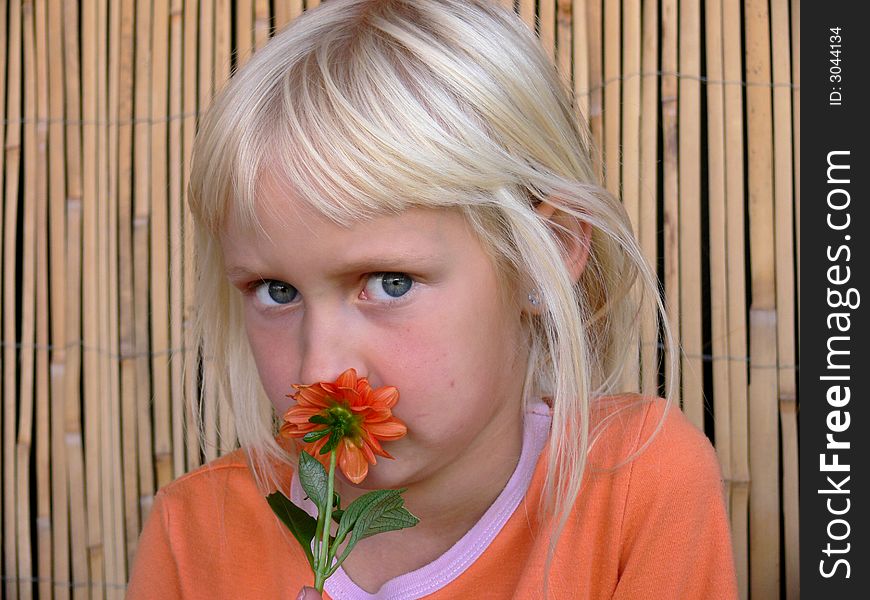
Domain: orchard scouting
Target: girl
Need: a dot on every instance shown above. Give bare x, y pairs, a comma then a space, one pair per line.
402, 187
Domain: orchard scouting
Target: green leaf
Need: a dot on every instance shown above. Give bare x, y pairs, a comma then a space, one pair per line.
313, 478
385, 514
372, 513
391, 520
315, 435
319, 420
336, 515
375, 512
334, 439
300, 523
359, 506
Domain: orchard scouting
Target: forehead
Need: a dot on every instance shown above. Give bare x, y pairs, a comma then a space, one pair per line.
286, 226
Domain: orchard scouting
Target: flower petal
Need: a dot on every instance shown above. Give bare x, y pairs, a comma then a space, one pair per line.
370, 456
392, 429
386, 397
363, 387
313, 449
347, 379
352, 462
312, 396
300, 414
375, 445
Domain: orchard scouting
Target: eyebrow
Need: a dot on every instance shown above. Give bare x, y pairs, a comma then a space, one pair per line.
384, 263
365, 264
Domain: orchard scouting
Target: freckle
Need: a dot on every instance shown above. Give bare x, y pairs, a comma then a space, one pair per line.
453, 384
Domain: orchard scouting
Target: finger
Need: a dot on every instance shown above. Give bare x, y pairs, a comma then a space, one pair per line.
308, 593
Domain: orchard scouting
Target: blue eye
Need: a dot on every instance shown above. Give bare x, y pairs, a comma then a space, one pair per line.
393, 285
272, 292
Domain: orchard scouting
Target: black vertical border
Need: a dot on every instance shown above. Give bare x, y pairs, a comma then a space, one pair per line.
826, 253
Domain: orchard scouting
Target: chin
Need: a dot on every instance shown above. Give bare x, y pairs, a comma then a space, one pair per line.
386, 474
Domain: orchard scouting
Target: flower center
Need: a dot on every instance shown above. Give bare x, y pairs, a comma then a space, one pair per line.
343, 420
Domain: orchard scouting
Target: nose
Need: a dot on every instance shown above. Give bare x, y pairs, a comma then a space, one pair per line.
330, 345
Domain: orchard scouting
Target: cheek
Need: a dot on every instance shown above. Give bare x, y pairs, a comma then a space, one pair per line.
275, 359
449, 368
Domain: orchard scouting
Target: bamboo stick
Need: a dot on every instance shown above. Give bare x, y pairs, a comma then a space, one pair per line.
108, 63
222, 43
527, 13
737, 348
26, 358
262, 29
296, 8
718, 249
309, 4
244, 21
12, 153
60, 531
286, 11
176, 256
631, 105
690, 211
191, 49
206, 92
547, 26
223, 418
670, 166
8, 406
206, 55
764, 451
595, 83
75, 225
580, 58
612, 96
141, 257
631, 108
91, 300
785, 290
648, 210
796, 152
159, 284
564, 42
126, 302
43, 416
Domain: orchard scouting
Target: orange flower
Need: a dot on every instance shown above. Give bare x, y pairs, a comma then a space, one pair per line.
347, 412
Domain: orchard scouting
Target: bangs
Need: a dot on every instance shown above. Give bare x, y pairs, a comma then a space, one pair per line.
369, 118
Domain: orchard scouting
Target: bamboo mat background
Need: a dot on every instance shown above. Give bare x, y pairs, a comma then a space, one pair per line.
695, 106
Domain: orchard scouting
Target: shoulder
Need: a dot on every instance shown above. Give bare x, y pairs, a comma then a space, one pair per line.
672, 504
658, 461
232, 466
651, 432
195, 498
668, 467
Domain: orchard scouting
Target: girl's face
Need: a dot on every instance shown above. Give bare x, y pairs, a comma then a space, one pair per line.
410, 300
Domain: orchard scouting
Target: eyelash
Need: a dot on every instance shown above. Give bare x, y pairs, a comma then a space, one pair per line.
254, 286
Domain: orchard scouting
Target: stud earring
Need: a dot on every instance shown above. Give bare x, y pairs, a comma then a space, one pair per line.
533, 297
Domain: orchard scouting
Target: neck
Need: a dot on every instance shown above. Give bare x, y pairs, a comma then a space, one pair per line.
448, 506
456, 497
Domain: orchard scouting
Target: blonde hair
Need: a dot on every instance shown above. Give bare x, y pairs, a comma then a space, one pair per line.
371, 107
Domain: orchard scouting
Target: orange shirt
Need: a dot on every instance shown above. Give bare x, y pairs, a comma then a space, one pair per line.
654, 527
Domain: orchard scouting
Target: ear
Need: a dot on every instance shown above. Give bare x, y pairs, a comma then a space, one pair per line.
574, 234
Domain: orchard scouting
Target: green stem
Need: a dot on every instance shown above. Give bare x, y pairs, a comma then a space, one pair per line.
323, 564
335, 544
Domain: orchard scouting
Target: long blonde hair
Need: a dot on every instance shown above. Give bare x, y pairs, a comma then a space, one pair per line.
369, 107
